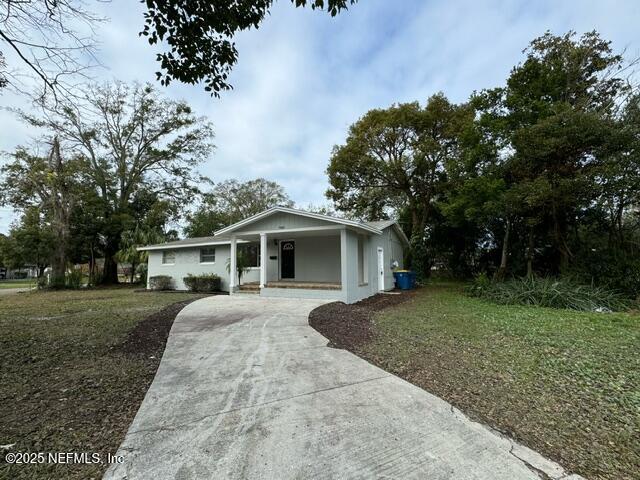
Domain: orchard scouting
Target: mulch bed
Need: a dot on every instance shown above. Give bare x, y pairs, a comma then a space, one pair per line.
148, 290
90, 412
349, 326
149, 337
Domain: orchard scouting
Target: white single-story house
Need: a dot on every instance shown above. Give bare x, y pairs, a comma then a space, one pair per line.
294, 253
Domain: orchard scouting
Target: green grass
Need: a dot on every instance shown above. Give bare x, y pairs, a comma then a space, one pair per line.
65, 385
565, 383
23, 283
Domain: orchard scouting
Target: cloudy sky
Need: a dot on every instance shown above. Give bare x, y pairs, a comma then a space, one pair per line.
304, 77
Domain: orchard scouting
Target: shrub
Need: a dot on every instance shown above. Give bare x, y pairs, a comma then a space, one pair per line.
202, 283
43, 282
611, 268
142, 271
549, 292
74, 279
95, 277
481, 283
161, 282
420, 259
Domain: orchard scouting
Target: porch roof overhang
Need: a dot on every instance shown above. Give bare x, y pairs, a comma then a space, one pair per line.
187, 243
338, 222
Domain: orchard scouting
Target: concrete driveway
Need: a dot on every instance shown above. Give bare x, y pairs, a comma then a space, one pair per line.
246, 389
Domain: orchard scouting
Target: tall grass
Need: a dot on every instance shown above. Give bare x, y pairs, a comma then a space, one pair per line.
549, 292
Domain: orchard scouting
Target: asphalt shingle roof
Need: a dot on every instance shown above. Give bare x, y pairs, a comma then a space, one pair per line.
220, 239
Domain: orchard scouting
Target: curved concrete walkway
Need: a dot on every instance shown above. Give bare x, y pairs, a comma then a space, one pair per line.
246, 389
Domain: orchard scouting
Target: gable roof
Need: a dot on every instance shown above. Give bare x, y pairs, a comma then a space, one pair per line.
382, 224
303, 213
220, 237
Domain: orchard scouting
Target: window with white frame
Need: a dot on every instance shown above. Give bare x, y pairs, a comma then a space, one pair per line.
168, 257
208, 255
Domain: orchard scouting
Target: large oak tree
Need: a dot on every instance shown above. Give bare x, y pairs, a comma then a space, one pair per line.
133, 145
396, 158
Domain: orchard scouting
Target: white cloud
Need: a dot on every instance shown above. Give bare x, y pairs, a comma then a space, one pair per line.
304, 77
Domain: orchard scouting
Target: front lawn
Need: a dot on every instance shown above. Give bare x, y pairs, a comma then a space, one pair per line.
75, 367
562, 382
21, 283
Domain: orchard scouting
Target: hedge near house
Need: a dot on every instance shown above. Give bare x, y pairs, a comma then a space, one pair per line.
161, 282
202, 283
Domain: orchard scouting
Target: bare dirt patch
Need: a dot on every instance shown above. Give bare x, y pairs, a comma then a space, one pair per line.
74, 382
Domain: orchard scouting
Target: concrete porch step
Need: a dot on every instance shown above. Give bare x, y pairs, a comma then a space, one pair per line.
304, 285
249, 288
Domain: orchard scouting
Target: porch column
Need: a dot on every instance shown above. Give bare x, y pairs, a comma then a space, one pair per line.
343, 259
263, 259
232, 265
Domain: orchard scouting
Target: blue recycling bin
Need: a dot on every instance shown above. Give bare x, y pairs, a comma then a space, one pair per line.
405, 279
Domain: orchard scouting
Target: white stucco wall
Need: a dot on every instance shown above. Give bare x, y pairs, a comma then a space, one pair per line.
188, 261
393, 249
317, 258
395, 246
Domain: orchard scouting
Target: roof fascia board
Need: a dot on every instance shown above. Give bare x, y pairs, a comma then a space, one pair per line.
186, 245
292, 211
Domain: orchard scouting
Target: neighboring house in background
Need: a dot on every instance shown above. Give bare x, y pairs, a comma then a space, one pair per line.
28, 271
295, 254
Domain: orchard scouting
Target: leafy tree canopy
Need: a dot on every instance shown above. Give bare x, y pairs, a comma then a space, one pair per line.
396, 158
30, 242
231, 201
136, 150
540, 175
199, 35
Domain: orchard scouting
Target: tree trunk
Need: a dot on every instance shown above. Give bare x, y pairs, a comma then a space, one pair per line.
92, 267
416, 229
502, 270
530, 253
133, 272
58, 266
619, 224
560, 238
61, 204
565, 256
110, 269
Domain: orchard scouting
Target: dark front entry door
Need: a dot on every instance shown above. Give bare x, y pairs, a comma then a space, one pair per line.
287, 259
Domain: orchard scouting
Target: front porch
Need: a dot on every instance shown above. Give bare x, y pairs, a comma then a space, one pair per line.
298, 254
296, 263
